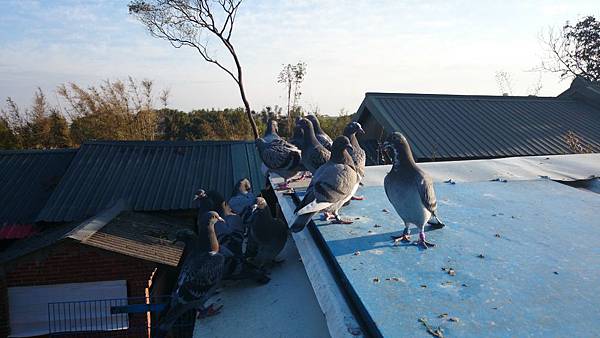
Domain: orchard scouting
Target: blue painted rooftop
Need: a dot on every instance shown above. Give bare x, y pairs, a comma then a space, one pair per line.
522, 266
149, 175
525, 254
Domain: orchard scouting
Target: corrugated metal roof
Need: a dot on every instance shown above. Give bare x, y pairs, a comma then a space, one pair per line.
27, 179
444, 127
149, 175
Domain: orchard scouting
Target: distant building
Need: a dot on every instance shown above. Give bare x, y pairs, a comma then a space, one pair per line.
457, 127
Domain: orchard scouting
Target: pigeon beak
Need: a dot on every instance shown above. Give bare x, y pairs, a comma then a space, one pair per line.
195, 197
220, 219
361, 131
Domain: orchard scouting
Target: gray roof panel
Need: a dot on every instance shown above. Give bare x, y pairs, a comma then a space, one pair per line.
149, 175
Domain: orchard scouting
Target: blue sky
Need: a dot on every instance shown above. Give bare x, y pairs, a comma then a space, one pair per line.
351, 47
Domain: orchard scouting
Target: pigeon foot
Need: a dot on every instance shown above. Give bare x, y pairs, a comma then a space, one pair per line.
423, 243
282, 186
357, 198
210, 311
404, 238
327, 216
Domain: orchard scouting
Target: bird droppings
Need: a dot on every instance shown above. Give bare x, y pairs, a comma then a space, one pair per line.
454, 319
499, 179
497, 235
513, 217
449, 181
377, 226
446, 283
480, 256
443, 315
556, 272
451, 272
356, 218
395, 279
545, 177
370, 231
463, 284
356, 253
438, 332
424, 286
376, 280
385, 210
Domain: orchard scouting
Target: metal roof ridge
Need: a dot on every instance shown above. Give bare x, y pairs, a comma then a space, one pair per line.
163, 143
37, 151
465, 96
93, 224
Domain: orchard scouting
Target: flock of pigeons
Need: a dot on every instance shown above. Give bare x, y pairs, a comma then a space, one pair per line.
240, 239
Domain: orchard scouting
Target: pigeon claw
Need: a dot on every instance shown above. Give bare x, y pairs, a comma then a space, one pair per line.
357, 198
403, 238
210, 311
424, 244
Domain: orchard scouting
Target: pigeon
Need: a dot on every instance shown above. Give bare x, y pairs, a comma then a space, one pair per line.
242, 197
272, 130
202, 269
410, 190
280, 157
314, 154
323, 138
358, 154
333, 184
267, 235
230, 230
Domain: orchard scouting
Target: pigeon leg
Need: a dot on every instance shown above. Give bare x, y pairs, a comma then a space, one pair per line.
339, 220
283, 186
422, 242
327, 216
404, 238
209, 311
358, 197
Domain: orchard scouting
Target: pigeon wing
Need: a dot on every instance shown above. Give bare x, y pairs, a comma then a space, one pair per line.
280, 154
425, 186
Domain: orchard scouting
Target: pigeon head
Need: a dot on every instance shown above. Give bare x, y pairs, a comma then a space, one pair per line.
210, 218
305, 124
314, 121
272, 127
398, 145
243, 186
200, 194
353, 128
341, 149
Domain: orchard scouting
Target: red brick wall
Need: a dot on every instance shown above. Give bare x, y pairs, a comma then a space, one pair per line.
72, 262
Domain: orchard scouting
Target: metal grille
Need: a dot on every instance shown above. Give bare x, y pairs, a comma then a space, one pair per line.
121, 317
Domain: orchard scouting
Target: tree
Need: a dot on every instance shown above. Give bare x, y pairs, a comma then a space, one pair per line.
194, 23
291, 76
574, 50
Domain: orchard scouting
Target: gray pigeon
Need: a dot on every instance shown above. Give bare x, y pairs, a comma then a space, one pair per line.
242, 197
410, 190
358, 154
271, 132
323, 138
333, 184
314, 154
280, 157
202, 269
267, 235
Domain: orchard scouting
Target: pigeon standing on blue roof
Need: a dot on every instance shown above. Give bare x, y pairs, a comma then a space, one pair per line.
314, 154
333, 184
358, 154
267, 235
410, 190
202, 269
280, 157
321, 136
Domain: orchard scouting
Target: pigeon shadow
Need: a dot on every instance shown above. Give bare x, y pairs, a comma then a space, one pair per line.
340, 247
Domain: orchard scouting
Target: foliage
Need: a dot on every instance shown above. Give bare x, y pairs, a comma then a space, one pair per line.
334, 125
575, 50
196, 24
291, 76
